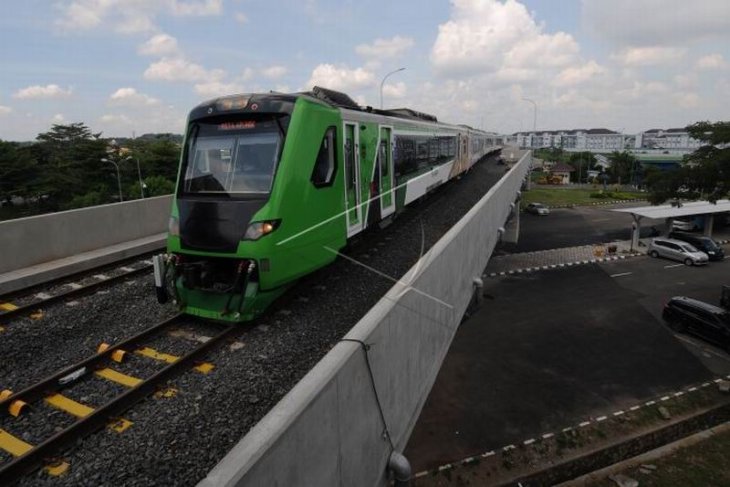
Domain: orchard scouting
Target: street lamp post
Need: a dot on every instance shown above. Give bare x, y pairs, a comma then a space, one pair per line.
383, 82
119, 178
139, 175
534, 115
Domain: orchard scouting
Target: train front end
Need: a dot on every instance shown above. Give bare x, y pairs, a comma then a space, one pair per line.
218, 245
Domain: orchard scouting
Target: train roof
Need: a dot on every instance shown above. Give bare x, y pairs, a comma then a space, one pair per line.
284, 102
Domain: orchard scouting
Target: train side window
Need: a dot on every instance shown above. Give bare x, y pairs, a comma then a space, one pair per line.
383, 158
325, 165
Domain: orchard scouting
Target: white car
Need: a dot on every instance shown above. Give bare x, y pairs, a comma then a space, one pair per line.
677, 250
537, 209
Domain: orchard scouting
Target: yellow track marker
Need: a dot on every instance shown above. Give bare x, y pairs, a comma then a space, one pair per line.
16, 407
8, 307
117, 355
69, 405
5, 393
15, 446
155, 355
2, 328
120, 425
57, 469
204, 368
36, 315
118, 377
166, 393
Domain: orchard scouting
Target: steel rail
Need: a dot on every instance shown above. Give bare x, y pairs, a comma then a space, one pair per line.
27, 308
12, 471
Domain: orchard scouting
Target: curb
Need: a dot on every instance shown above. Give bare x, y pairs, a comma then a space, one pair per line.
562, 265
597, 203
590, 421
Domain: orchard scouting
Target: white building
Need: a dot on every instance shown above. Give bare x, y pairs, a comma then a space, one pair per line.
670, 139
605, 140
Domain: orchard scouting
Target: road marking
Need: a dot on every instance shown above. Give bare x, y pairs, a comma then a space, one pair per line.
702, 347
547, 436
650, 403
488, 454
530, 441
634, 408
621, 274
601, 418
672, 266
618, 413
584, 424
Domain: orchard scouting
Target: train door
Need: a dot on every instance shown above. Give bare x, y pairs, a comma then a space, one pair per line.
385, 165
352, 179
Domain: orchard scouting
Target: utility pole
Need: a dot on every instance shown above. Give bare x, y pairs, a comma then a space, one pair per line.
383, 82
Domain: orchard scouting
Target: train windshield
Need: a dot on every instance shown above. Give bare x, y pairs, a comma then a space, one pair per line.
234, 158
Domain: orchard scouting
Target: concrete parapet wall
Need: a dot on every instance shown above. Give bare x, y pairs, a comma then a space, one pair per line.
39, 239
328, 430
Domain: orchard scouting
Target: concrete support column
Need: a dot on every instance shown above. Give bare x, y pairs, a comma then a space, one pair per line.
668, 225
709, 224
635, 233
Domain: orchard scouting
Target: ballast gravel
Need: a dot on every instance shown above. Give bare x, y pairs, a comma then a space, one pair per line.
177, 440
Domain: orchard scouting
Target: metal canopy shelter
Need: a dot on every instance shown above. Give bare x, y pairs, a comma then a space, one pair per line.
670, 212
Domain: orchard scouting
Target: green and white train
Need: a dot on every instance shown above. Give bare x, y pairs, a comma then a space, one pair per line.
272, 186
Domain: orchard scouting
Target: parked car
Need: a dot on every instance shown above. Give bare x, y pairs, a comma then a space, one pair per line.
676, 250
705, 244
697, 317
537, 209
688, 224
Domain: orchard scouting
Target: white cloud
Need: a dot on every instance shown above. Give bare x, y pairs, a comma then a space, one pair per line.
650, 56
159, 45
687, 100
5, 110
712, 61
241, 17
129, 16
686, 81
180, 69
340, 78
657, 22
394, 90
580, 74
37, 91
58, 118
214, 89
483, 36
130, 97
385, 48
198, 7
116, 119
274, 72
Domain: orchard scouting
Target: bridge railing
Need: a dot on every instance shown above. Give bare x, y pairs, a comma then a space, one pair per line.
340, 423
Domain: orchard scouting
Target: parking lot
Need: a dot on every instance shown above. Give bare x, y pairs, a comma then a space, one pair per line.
551, 348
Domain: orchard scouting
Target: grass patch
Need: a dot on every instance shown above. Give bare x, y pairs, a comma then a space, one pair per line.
704, 463
572, 196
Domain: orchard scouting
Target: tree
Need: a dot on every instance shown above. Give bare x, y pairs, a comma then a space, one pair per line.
69, 164
705, 173
582, 162
623, 167
17, 171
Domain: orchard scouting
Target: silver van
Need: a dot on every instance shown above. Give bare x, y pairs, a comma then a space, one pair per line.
676, 250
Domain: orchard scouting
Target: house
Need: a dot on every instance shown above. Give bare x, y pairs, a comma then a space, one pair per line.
562, 171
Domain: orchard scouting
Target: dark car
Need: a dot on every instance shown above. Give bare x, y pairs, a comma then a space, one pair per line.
710, 322
705, 244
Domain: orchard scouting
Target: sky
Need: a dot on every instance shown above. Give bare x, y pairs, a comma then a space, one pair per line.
129, 67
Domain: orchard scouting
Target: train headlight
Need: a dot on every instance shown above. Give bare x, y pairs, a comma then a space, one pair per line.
257, 230
173, 226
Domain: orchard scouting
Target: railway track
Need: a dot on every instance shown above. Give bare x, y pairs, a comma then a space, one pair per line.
56, 392
32, 301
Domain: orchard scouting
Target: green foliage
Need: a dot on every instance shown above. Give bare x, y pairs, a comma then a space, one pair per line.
704, 174
64, 169
624, 167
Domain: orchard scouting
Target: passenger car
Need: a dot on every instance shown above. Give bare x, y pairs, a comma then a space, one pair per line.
676, 250
705, 244
697, 317
687, 224
537, 209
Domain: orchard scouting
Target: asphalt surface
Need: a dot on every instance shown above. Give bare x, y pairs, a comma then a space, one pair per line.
550, 349
569, 227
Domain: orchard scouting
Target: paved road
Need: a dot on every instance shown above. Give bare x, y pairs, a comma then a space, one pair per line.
550, 349
569, 227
